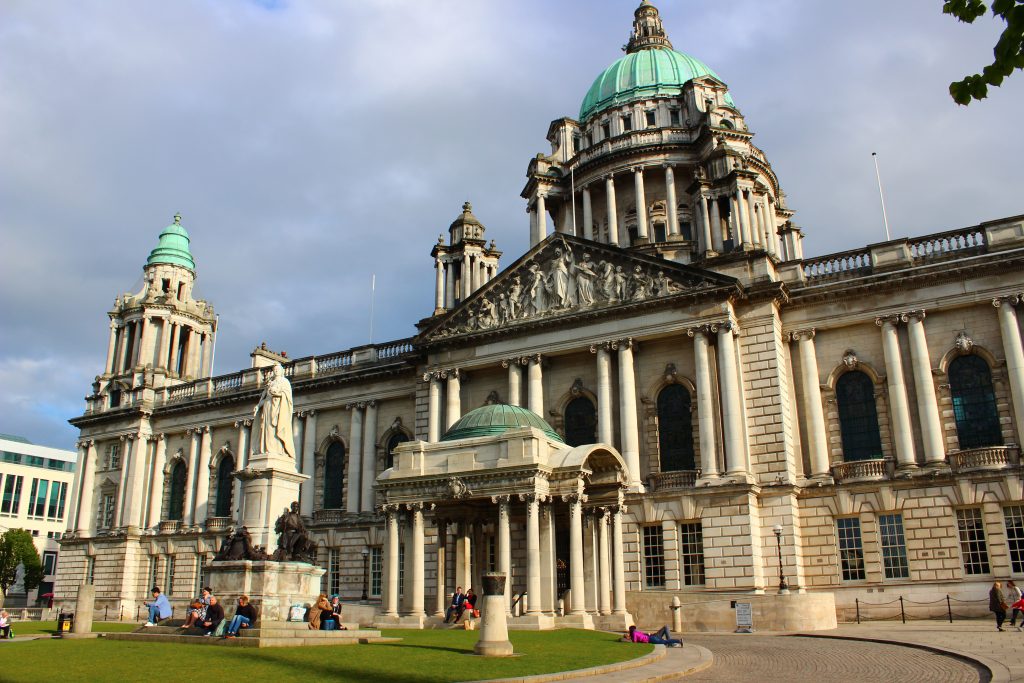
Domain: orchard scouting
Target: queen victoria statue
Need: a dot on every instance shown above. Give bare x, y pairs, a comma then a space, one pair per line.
273, 416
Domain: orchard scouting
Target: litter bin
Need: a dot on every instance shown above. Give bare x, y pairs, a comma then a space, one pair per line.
65, 622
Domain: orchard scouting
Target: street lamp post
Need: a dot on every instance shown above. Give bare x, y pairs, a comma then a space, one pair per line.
366, 556
783, 586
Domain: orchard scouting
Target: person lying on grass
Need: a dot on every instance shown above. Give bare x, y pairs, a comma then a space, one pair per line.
661, 637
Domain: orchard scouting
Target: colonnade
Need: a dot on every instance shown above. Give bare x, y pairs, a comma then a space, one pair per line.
457, 275
134, 342
596, 577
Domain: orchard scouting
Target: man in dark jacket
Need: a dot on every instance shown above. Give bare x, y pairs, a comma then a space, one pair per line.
457, 605
214, 615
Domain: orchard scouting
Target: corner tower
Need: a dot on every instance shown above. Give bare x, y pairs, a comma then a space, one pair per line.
660, 160
161, 335
465, 263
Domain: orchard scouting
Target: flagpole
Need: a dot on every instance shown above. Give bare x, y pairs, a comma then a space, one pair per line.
881, 197
572, 175
373, 293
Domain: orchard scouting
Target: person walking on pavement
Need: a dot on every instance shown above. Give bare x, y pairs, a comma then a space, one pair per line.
1013, 596
997, 604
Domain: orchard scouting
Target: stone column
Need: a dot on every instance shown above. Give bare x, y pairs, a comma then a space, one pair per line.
1009, 329
111, 348
307, 487
449, 285
209, 340
124, 484
927, 403
814, 417
172, 359
535, 397
369, 457
439, 302
717, 241
433, 407
641, 204
463, 556
454, 407
732, 411
242, 461
391, 556
156, 489
84, 517
773, 234
203, 476
542, 219
505, 546
533, 554
604, 567
442, 548
670, 200
416, 522
605, 431
630, 433
193, 460
579, 603
466, 284
355, 436
135, 502
618, 566
902, 434
613, 218
76, 486
705, 404
515, 381
195, 345
547, 561
705, 219
591, 570
588, 215
742, 221
748, 213
165, 344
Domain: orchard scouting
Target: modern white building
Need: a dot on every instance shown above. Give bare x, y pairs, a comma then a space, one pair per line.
35, 490
855, 417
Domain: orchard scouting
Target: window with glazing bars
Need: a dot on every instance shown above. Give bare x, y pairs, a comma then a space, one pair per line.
334, 572
376, 570
55, 508
973, 551
858, 417
106, 511
1013, 517
691, 552
37, 497
974, 403
90, 569
894, 546
154, 572
401, 570
200, 574
12, 495
851, 549
654, 557
169, 575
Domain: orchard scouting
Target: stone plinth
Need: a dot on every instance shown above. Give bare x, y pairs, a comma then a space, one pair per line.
272, 587
270, 484
494, 640
85, 604
713, 612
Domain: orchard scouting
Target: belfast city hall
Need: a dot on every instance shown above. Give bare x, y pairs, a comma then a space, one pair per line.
664, 397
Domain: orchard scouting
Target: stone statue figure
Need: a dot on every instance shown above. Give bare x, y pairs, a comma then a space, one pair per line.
238, 546
585, 277
607, 276
515, 293
293, 542
642, 284
533, 299
275, 416
558, 280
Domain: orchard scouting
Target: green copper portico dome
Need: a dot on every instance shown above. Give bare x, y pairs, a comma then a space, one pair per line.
173, 247
497, 419
650, 68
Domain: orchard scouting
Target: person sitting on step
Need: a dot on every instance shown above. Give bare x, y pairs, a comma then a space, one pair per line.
245, 616
5, 624
214, 615
197, 611
159, 609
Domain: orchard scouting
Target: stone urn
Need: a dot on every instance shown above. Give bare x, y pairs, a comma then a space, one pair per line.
494, 640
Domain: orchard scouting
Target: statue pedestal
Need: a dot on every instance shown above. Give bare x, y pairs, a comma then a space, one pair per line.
273, 587
270, 484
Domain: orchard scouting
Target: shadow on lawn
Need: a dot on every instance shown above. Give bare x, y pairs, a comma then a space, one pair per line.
320, 669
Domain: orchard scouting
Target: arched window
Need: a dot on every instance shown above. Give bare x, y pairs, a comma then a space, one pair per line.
396, 438
334, 474
858, 417
974, 403
580, 422
179, 475
224, 486
675, 429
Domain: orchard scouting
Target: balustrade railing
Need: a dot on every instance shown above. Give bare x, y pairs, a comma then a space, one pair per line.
169, 526
670, 481
182, 392
862, 470
987, 458
218, 523
854, 262
945, 243
230, 382
394, 349
328, 516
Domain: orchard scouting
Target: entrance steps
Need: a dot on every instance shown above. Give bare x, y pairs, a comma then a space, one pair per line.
266, 634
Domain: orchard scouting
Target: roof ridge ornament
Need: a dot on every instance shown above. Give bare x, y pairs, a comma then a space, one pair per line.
648, 31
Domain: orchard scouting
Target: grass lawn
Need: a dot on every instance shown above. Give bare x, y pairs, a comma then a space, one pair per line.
25, 628
421, 657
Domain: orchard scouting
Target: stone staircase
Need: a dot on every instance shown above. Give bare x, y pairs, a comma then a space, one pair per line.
267, 634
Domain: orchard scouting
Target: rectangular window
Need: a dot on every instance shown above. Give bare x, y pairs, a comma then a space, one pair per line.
334, 572
673, 117
851, 549
972, 541
169, 575
654, 557
90, 569
200, 573
49, 563
894, 546
651, 120
114, 456
154, 572
12, 495
106, 511
376, 570
627, 122
401, 570
1013, 516
606, 130
37, 498
55, 509
691, 552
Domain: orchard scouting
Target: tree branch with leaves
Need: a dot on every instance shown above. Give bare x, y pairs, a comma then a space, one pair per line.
1008, 53
18, 550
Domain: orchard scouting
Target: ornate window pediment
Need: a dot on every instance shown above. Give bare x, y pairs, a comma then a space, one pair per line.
566, 275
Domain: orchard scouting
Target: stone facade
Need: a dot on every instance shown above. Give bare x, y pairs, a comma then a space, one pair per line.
855, 416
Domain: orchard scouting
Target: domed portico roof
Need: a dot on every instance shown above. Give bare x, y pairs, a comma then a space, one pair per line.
490, 420
173, 247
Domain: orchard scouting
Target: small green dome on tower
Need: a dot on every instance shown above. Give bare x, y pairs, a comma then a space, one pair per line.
173, 247
496, 419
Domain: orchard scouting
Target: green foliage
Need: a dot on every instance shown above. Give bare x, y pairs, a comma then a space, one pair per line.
1008, 53
16, 548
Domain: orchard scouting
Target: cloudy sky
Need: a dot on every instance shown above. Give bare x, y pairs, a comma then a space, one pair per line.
309, 145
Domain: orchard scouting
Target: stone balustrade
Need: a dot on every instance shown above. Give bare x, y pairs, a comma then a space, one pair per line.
987, 458
328, 516
218, 523
169, 526
673, 481
863, 470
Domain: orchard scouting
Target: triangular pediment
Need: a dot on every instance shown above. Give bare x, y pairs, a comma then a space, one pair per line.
566, 276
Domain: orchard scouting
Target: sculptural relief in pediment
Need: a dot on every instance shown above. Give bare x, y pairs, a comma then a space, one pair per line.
566, 277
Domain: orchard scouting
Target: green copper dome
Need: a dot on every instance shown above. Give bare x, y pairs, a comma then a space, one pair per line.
173, 247
643, 74
497, 419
